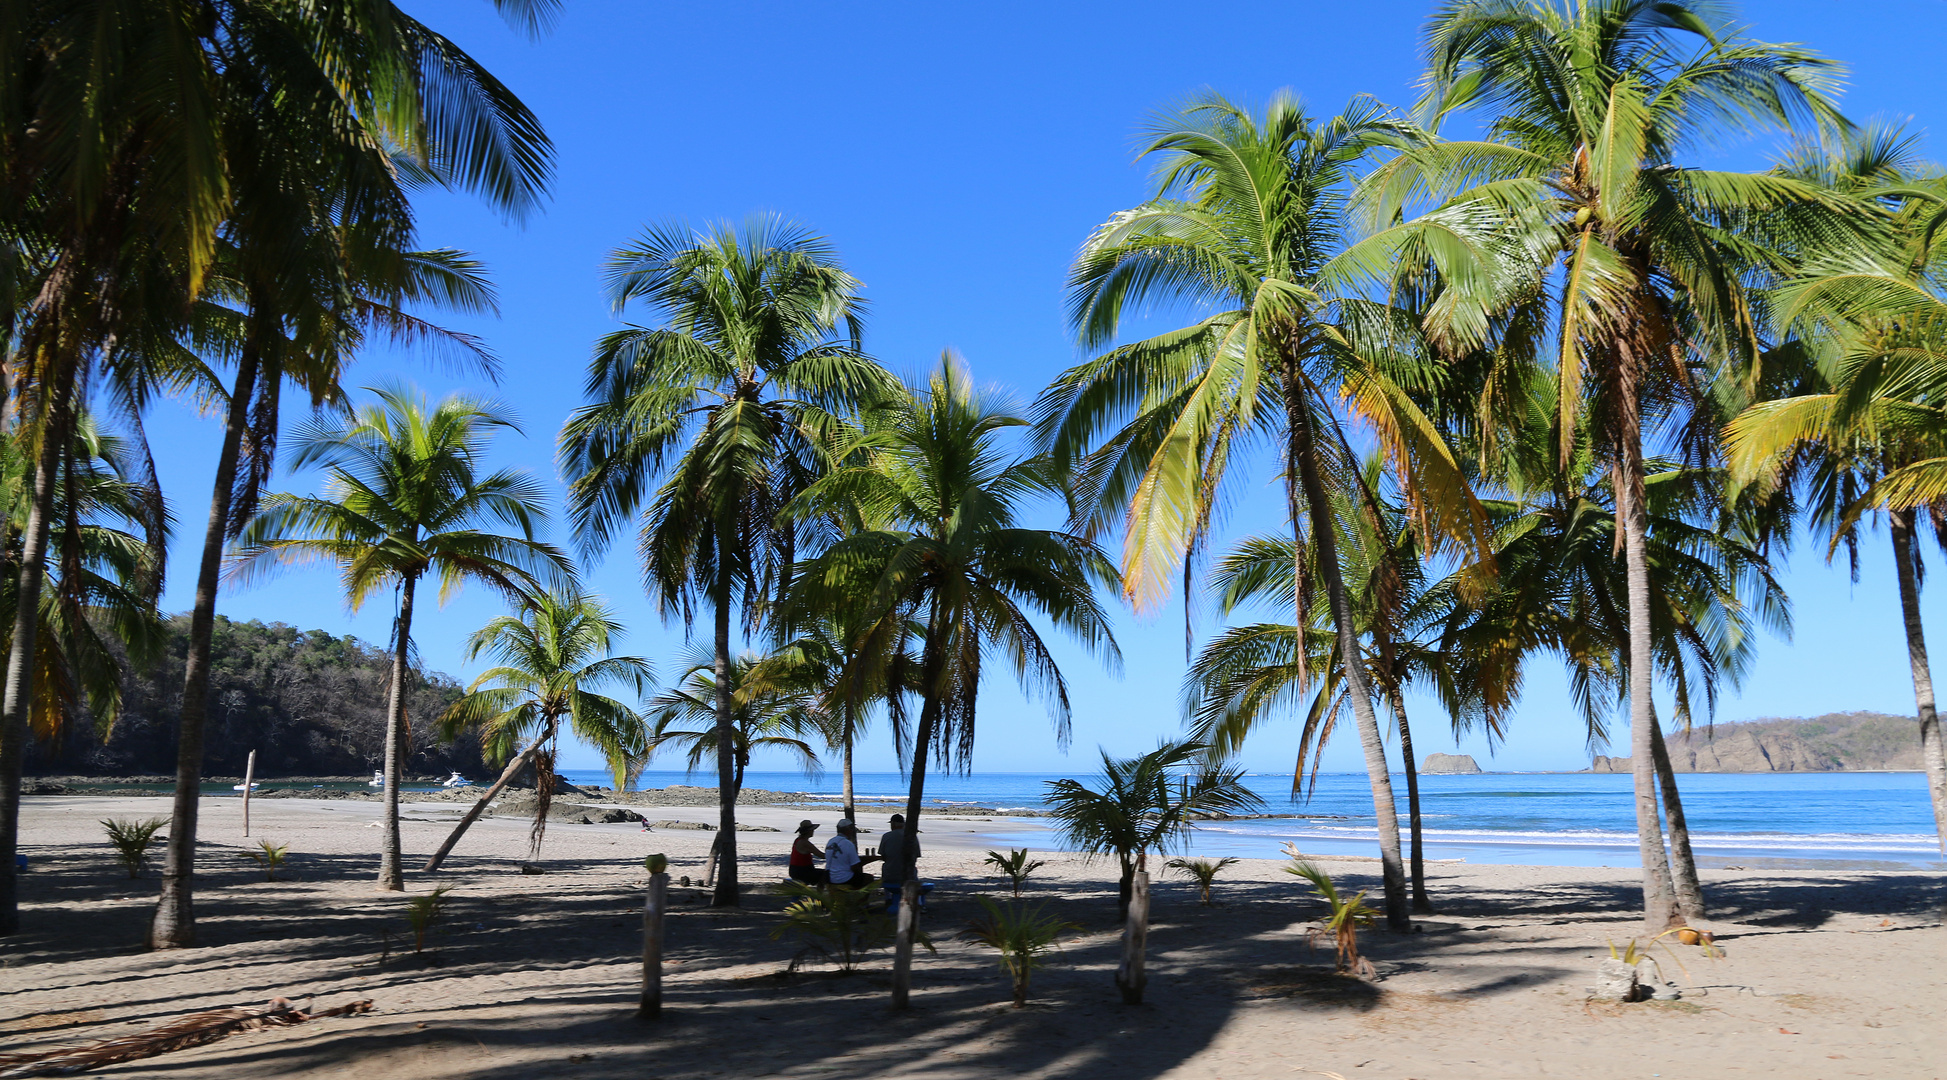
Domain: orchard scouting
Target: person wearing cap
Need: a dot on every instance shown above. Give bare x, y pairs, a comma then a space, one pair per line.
900, 864
804, 854
844, 868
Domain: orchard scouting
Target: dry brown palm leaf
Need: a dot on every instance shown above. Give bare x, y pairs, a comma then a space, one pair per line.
197, 1029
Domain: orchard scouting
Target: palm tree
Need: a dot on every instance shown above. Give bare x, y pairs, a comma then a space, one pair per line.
404, 500
110, 533
727, 402
822, 658
1249, 219
127, 127
1248, 673
766, 715
1146, 803
551, 658
1865, 426
1647, 262
946, 554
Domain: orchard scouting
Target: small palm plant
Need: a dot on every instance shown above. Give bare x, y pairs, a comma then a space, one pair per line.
1015, 865
270, 858
1343, 918
1203, 870
836, 924
1023, 936
423, 914
131, 840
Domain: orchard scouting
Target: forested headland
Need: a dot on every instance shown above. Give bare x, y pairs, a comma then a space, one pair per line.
309, 703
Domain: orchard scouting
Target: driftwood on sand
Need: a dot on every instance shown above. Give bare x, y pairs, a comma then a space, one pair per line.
194, 1030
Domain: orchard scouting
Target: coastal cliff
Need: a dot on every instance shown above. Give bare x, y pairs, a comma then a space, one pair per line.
1836, 742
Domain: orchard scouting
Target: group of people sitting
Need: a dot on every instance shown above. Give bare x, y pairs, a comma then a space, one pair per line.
844, 867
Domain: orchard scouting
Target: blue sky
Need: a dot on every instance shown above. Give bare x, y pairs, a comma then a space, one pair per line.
956, 155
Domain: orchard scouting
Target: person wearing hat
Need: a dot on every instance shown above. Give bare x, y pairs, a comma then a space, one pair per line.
804, 854
844, 869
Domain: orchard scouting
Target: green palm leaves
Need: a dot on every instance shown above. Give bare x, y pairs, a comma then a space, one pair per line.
404, 500
726, 408
768, 714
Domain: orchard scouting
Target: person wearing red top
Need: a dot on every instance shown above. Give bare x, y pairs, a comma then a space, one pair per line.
804, 853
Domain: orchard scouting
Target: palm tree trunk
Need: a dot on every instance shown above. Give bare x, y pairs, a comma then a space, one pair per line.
1304, 461
1659, 900
1683, 864
850, 810
726, 894
506, 777
1421, 903
174, 924
929, 718
1933, 757
391, 868
20, 660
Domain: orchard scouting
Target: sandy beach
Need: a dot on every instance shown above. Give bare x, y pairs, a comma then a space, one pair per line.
1825, 973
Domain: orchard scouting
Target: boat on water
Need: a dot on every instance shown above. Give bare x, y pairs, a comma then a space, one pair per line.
457, 781
253, 786
377, 780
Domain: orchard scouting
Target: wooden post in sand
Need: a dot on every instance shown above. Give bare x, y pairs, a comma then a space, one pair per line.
249, 773
1130, 977
652, 943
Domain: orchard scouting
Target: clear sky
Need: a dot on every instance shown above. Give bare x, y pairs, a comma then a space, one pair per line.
957, 155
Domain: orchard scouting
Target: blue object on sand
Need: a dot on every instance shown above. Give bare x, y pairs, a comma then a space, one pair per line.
892, 896
20, 861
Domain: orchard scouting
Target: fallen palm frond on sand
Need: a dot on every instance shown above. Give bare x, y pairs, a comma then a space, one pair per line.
196, 1029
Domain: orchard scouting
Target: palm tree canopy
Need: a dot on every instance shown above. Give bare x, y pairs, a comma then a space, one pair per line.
947, 558
550, 661
404, 498
1249, 220
766, 714
1147, 803
727, 401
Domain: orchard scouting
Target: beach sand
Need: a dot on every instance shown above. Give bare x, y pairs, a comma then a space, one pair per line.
1825, 974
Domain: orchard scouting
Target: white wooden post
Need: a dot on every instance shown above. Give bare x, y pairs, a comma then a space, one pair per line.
652, 946
249, 774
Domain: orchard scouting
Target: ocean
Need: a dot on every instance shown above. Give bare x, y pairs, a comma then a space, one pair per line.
1753, 820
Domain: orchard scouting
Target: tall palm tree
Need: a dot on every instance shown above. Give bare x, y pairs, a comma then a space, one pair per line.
727, 402
1146, 803
552, 657
121, 170
1249, 219
1646, 261
1865, 426
404, 499
949, 556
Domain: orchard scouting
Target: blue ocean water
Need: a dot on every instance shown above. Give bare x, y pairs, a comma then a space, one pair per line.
1557, 819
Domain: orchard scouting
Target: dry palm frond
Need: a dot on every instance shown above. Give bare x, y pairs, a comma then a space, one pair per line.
194, 1030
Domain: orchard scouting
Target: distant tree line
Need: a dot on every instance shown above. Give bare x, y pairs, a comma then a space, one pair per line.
309, 703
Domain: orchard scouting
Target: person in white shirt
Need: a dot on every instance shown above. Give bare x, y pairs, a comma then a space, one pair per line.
844, 868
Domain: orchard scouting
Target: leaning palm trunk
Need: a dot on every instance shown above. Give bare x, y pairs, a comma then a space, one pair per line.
1933, 757
724, 852
1421, 902
20, 665
174, 924
507, 775
1659, 901
1683, 864
931, 666
391, 868
1304, 461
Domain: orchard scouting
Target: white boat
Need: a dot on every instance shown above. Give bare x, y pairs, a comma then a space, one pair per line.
377, 780
457, 781
253, 786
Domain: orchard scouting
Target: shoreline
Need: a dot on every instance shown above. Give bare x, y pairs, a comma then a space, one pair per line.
537, 974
